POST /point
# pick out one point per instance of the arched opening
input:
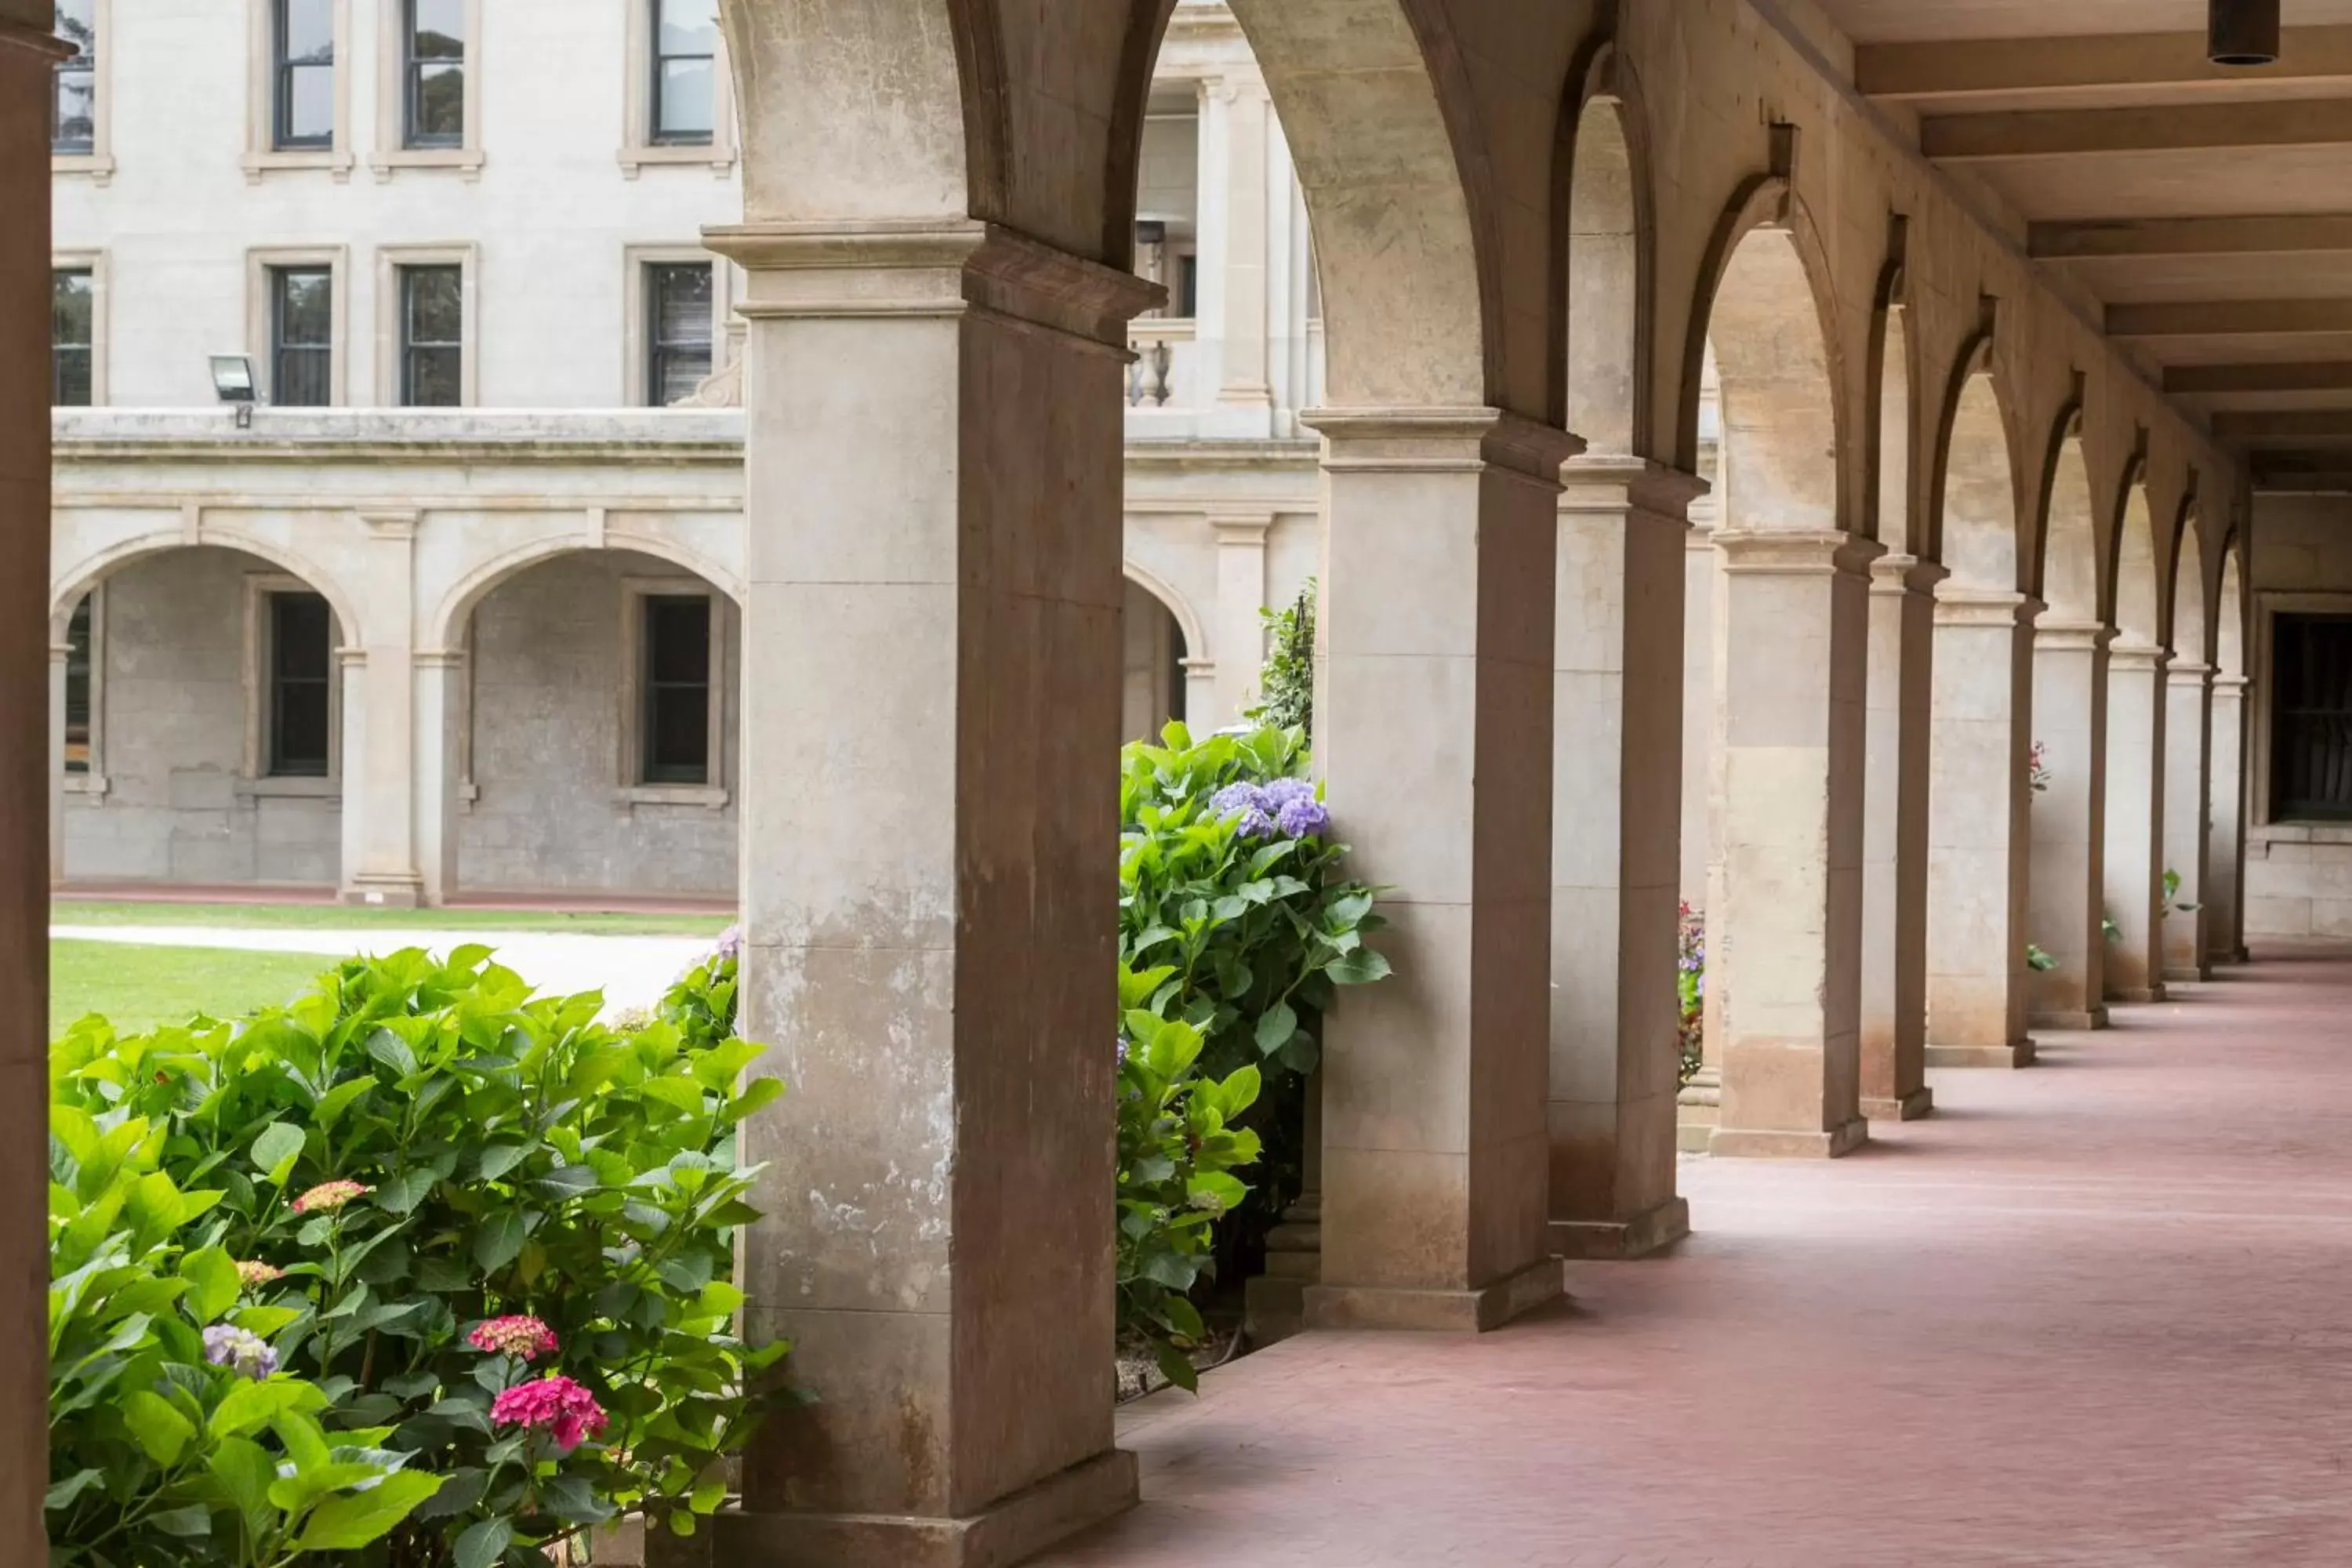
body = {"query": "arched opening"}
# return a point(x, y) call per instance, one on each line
point(1606, 296)
point(198, 733)
point(1981, 737)
point(1153, 679)
point(2226, 861)
point(596, 731)
point(1786, 624)
point(2188, 758)
point(2133, 860)
point(2068, 766)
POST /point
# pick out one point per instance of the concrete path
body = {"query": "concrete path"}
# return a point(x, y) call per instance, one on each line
point(631, 971)
point(2096, 1313)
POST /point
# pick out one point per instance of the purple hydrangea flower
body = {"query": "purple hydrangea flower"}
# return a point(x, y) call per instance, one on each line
point(1235, 798)
point(1303, 816)
point(730, 945)
point(1256, 824)
point(247, 1354)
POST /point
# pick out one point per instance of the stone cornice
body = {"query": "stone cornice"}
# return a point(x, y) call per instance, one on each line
point(1597, 481)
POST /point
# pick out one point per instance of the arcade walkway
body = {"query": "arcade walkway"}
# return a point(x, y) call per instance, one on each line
point(2096, 1314)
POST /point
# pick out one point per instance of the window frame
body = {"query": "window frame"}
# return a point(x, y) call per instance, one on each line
point(2273, 807)
point(90, 779)
point(281, 347)
point(639, 146)
point(391, 360)
point(255, 777)
point(636, 334)
point(650, 376)
point(94, 263)
point(393, 151)
point(96, 161)
point(263, 154)
point(261, 317)
point(636, 789)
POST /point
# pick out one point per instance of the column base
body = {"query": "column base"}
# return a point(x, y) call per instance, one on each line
point(1437, 1311)
point(2020, 1055)
point(2182, 977)
point(2132, 996)
point(1915, 1106)
point(1013, 1530)
point(1746, 1143)
point(2095, 1018)
point(1274, 1304)
point(1699, 1110)
point(384, 892)
point(1620, 1240)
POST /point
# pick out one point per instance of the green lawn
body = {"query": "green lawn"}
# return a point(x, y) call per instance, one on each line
point(337, 917)
point(140, 987)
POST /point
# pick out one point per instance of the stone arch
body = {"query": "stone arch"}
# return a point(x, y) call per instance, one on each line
point(2134, 593)
point(1972, 503)
point(1188, 621)
point(2191, 626)
point(1156, 682)
point(1766, 311)
point(2229, 611)
point(1890, 436)
point(78, 577)
point(446, 625)
point(1602, 265)
point(2068, 556)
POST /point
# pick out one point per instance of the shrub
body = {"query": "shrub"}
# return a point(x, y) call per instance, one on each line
point(173, 1436)
point(1286, 679)
point(1690, 992)
point(418, 1149)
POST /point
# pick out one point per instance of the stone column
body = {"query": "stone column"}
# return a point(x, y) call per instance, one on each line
point(1616, 830)
point(380, 768)
point(2069, 823)
point(2225, 865)
point(931, 704)
point(1241, 601)
point(26, 52)
point(1784, 930)
point(1977, 855)
point(1236, 124)
point(2188, 821)
point(1434, 731)
point(59, 653)
point(2135, 855)
point(440, 748)
point(1895, 839)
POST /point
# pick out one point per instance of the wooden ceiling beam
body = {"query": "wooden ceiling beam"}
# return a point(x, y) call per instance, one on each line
point(2171, 128)
point(2330, 424)
point(2230, 318)
point(2104, 238)
point(1960, 68)
point(2288, 375)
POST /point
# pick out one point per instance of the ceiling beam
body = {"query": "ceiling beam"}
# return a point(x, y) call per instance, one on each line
point(2316, 481)
point(2292, 375)
point(2285, 425)
point(2230, 318)
point(1959, 68)
point(2101, 238)
point(2173, 127)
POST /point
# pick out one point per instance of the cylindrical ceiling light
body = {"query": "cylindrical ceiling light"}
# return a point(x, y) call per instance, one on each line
point(2243, 32)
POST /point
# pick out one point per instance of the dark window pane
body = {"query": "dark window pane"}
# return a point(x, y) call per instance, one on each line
point(432, 336)
point(436, 299)
point(677, 679)
point(2311, 762)
point(301, 667)
point(302, 329)
point(686, 105)
point(437, 29)
point(79, 651)
point(306, 306)
point(687, 28)
point(73, 125)
point(436, 109)
point(679, 329)
point(72, 321)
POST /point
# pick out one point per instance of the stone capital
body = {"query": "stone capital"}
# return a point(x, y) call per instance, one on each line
point(886, 268)
point(2072, 637)
point(1440, 440)
point(390, 523)
point(352, 657)
point(2136, 655)
point(1958, 604)
point(2230, 686)
point(1897, 574)
point(1242, 529)
point(1757, 551)
point(1607, 481)
point(2189, 672)
point(439, 658)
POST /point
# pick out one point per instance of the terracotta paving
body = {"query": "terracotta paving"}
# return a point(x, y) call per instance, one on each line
point(2097, 1313)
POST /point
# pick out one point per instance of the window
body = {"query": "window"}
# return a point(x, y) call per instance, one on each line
point(432, 337)
point(302, 336)
point(1188, 286)
point(673, 729)
point(2311, 718)
point(73, 105)
point(686, 73)
point(301, 666)
point(679, 318)
point(73, 335)
point(80, 644)
point(302, 57)
point(434, 76)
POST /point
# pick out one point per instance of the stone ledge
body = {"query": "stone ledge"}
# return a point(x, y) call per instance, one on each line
point(1012, 1531)
point(1751, 1143)
point(1622, 1240)
point(1435, 1311)
point(2019, 1054)
point(2095, 1018)
point(1916, 1106)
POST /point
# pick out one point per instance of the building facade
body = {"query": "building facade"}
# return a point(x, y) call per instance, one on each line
point(455, 610)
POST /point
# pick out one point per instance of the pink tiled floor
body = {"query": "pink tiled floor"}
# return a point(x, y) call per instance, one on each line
point(2094, 1313)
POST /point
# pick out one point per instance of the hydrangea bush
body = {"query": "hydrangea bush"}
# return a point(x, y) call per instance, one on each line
point(495, 1234)
point(1690, 991)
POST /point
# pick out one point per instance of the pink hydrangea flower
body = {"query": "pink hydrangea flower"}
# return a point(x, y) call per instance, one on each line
point(327, 1196)
point(518, 1336)
point(556, 1406)
point(252, 1273)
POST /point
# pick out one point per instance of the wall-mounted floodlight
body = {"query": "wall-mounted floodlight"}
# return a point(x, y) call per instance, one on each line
point(232, 384)
point(2243, 33)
